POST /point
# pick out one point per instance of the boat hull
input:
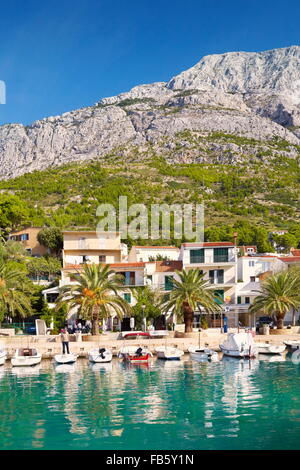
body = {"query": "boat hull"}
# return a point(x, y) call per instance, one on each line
point(96, 357)
point(236, 353)
point(25, 361)
point(167, 357)
point(136, 359)
point(65, 358)
point(261, 349)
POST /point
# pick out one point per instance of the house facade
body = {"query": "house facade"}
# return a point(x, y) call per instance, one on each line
point(28, 238)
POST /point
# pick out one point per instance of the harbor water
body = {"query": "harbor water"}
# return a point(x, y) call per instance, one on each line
point(231, 404)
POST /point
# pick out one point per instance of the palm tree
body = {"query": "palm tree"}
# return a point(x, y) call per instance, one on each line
point(95, 294)
point(148, 302)
point(279, 294)
point(13, 298)
point(188, 293)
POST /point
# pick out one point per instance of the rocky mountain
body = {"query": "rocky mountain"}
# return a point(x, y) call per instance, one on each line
point(226, 108)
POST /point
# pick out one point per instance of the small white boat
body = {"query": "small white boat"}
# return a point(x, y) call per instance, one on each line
point(100, 355)
point(239, 345)
point(65, 358)
point(26, 357)
point(292, 344)
point(3, 356)
point(169, 353)
point(202, 354)
point(267, 348)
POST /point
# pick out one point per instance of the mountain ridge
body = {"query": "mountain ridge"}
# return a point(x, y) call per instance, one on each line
point(248, 95)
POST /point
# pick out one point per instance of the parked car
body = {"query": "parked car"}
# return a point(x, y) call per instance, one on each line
point(30, 330)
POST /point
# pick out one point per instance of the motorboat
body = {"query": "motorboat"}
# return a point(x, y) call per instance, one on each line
point(26, 357)
point(292, 344)
point(158, 333)
point(169, 353)
point(203, 354)
point(100, 355)
point(134, 354)
point(65, 358)
point(268, 348)
point(239, 345)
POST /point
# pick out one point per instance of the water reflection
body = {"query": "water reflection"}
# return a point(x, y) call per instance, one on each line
point(167, 404)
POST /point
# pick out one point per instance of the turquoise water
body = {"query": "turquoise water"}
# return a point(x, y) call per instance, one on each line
point(231, 404)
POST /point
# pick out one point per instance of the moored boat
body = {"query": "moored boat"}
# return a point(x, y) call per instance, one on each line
point(239, 345)
point(135, 334)
point(100, 355)
point(65, 358)
point(267, 348)
point(134, 354)
point(292, 344)
point(202, 354)
point(26, 357)
point(169, 353)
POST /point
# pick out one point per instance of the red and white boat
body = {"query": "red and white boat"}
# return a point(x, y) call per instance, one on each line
point(135, 334)
point(135, 355)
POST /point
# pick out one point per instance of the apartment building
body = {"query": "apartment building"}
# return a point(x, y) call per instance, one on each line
point(28, 238)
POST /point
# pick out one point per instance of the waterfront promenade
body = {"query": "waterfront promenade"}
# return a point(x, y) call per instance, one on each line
point(49, 345)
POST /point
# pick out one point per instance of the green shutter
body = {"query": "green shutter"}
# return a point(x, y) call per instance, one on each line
point(197, 256)
point(239, 299)
point(168, 282)
point(220, 255)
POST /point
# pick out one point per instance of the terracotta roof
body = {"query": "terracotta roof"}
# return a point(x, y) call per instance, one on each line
point(291, 259)
point(112, 265)
point(208, 244)
point(168, 266)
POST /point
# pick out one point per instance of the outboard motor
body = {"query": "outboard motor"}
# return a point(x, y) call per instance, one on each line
point(139, 352)
point(101, 353)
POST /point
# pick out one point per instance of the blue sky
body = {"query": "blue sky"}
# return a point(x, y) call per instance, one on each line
point(56, 56)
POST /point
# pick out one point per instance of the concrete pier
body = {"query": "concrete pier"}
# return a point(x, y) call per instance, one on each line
point(48, 346)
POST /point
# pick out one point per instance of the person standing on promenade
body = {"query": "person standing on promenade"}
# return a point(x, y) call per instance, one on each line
point(64, 336)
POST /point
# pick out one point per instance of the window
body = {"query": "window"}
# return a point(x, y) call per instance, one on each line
point(149, 278)
point(216, 276)
point(127, 297)
point(220, 255)
point(239, 299)
point(24, 237)
point(247, 300)
point(251, 264)
point(252, 278)
point(197, 256)
point(129, 278)
point(102, 259)
point(168, 282)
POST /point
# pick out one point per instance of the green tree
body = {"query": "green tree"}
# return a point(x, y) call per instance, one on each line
point(95, 294)
point(13, 212)
point(52, 238)
point(43, 266)
point(189, 292)
point(279, 294)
